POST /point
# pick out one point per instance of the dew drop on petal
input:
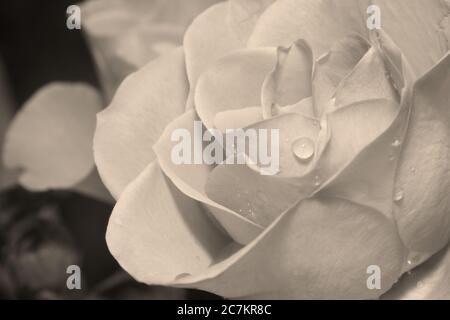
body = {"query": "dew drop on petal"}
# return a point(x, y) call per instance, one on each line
point(399, 195)
point(303, 148)
point(317, 181)
point(397, 143)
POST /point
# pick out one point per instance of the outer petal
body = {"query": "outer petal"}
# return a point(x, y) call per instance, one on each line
point(429, 281)
point(317, 250)
point(157, 233)
point(369, 179)
point(50, 139)
point(191, 180)
point(144, 104)
point(234, 82)
point(423, 176)
point(415, 25)
point(219, 30)
point(319, 22)
point(333, 67)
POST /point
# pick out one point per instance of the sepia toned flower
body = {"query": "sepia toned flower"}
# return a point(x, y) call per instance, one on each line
point(367, 186)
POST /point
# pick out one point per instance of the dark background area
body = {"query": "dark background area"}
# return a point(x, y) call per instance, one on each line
point(37, 47)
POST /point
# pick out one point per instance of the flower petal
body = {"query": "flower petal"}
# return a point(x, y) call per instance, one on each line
point(423, 176)
point(191, 180)
point(356, 119)
point(291, 127)
point(234, 82)
point(50, 139)
point(290, 80)
point(369, 80)
point(429, 281)
point(319, 250)
point(237, 118)
point(219, 30)
point(333, 67)
point(157, 233)
point(244, 14)
point(369, 179)
point(420, 26)
point(257, 197)
point(145, 103)
point(319, 22)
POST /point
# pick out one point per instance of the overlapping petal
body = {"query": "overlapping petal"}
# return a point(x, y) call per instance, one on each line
point(423, 214)
point(158, 234)
point(319, 22)
point(233, 82)
point(144, 104)
point(419, 26)
point(290, 80)
point(191, 180)
point(219, 30)
point(369, 179)
point(333, 67)
point(256, 197)
point(429, 281)
point(340, 230)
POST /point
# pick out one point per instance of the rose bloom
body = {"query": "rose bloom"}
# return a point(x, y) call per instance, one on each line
point(373, 192)
point(370, 189)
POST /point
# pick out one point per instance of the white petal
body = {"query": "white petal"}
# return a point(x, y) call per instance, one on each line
point(50, 139)
point(233, 82)
point(423, 214)
point(191, 180)
point(144, 104)
point(157, 233)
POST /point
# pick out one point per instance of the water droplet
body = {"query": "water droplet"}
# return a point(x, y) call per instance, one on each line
point(397, 143)
point(392, 158)
point(413, 169)
point(414, 259)
point(303, 148)
point(420, 284)
point(317, 181)
point(399, 195)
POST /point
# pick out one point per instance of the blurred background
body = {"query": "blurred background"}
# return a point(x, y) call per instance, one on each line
point(43, 233)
